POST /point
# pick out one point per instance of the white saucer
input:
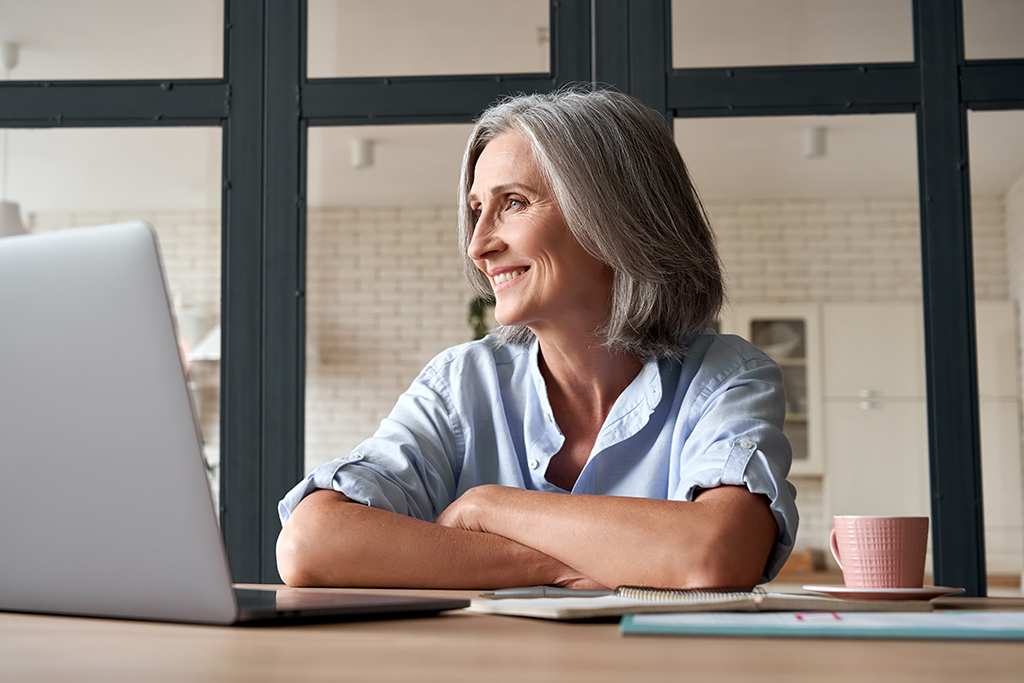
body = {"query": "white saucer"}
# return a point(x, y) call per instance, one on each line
point(925, 593)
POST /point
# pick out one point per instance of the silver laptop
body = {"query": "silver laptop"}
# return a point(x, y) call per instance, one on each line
point(105, 508)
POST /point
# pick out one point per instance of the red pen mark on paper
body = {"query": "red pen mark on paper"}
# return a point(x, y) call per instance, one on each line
point(817, 617)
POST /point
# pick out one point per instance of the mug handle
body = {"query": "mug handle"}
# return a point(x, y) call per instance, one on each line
point(834, 545)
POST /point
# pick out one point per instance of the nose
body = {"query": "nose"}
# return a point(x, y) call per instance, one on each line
point(485, 240)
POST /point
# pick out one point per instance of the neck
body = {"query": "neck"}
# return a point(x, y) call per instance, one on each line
point(584, 376)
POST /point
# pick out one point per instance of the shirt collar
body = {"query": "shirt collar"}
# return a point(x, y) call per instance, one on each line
point(634, 405)
point(631, 409)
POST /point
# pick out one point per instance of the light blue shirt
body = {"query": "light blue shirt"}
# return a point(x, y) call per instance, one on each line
point(479, 414)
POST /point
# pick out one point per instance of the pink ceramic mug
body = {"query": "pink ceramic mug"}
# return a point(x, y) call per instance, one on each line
point(880, 552)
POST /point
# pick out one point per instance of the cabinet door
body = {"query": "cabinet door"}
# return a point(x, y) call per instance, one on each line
point(873, 350)
point(877, 459)
point(1001, 485)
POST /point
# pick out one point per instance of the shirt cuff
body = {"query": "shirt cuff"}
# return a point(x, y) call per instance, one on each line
point(320, 478)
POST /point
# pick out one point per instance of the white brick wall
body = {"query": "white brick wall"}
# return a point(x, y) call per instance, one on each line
point(792, 251)
point(991, 266)
point(385, 291)
point(384, 295)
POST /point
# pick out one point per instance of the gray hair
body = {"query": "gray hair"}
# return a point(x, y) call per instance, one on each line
point(627, 198)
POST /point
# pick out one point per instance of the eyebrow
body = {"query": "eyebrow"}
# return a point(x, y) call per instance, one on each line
point(503, 188)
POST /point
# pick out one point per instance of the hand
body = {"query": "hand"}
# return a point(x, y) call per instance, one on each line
point(573, 579)
point(470, 509)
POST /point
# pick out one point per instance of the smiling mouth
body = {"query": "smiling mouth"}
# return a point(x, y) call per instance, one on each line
point(502, 278)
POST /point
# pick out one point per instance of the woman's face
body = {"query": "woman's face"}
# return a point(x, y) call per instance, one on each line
point(541, 276)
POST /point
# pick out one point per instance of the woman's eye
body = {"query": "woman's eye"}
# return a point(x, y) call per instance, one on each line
point(514, 203)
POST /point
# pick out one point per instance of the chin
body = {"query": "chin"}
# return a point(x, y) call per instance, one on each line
point(502, 319)
point(512, 314)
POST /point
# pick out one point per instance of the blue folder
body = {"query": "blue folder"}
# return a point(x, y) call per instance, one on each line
point(952, 625)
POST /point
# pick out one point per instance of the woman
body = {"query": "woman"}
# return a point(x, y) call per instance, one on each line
point(577, 213)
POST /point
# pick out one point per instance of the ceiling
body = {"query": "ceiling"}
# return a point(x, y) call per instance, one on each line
point(168, 168)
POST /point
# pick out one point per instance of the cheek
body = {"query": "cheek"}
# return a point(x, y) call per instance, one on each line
point(585, 264)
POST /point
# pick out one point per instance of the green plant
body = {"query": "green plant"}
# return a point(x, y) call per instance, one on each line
point(478, 315)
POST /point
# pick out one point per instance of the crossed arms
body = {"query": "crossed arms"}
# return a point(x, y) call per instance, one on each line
point(498, 536)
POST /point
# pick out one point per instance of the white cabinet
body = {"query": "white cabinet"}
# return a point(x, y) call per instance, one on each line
point(998, 372)
point(1001, 485)
point(876, 425)
point(857, 410)
point(877, 459)
point(1000, 408)
point(876, 420)
point(873, 351)
point(790, 335)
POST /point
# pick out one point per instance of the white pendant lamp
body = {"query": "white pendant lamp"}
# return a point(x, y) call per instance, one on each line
point(10, 219)
point(815, 142)
point(362, 153)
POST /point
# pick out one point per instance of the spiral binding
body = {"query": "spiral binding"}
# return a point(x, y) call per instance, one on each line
point(689, 594)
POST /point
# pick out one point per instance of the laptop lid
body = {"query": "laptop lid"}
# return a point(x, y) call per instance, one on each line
point(102, 484)
point(104, 501)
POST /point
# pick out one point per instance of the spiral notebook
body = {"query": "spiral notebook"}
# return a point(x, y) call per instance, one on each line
point(636, 600)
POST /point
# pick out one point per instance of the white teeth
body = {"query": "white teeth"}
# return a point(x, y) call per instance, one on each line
point(505, 277)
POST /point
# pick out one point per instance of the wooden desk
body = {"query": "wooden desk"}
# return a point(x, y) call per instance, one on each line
point(464, 647)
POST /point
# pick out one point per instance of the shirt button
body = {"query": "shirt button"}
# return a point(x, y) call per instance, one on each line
point(354, 456)
point(549, 417)
point(746, 445)
point(534, 464)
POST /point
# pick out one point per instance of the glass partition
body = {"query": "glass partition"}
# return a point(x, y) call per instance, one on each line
point(169, 177)
point(113, 39)
point(818, 227)
point(770, 32)
point(993, 29)
point(385, 291)
point(350, 38)
point(997, 221)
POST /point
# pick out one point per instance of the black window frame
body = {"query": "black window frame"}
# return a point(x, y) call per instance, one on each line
point(939, 87)
point(265, 105)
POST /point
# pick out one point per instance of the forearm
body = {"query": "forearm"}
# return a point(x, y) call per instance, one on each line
point(330, 541)
point(723, 538)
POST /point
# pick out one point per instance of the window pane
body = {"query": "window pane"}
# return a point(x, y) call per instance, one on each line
point(385, 291)
point(997, 208)
point(428, 37)
point(993, 29)
point(170, 177)
point(818, 227)
point(767, 32)
point(107, 39)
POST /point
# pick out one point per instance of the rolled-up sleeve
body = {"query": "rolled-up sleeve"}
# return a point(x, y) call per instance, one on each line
point(737, 440)
point(409, 466)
